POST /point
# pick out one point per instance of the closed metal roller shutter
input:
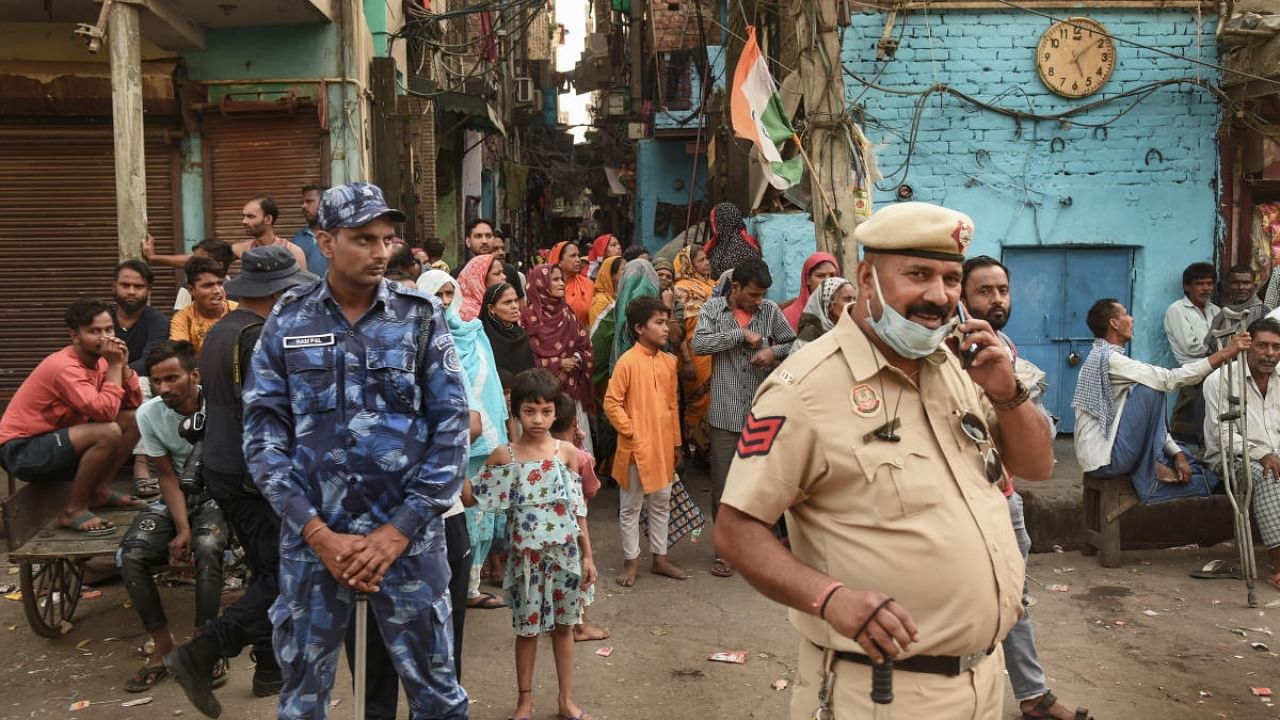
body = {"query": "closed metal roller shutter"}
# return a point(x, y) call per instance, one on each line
point(58, 233)
point(252, 156)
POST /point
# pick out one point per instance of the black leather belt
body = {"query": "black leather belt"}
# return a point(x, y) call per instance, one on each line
point(949, 665)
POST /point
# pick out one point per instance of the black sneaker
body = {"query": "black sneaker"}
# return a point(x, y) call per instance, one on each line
point(192, 665)
point(267, 679)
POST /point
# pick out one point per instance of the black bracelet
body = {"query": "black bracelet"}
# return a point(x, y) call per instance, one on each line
point(822, 611)
point(871, 617)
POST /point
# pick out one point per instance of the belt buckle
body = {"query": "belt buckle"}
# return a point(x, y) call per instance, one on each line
point(968, 662)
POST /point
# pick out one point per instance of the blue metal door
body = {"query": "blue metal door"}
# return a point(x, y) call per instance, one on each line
point(1053, 289)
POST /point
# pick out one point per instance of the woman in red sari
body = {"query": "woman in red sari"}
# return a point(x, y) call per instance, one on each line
point(577, 287)
point(817, 268)
point(559, 342)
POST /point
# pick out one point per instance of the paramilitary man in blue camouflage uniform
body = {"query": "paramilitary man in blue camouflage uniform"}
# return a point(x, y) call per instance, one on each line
point(355, 430)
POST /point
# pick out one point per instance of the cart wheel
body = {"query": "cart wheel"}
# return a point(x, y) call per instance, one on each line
point(50, 593)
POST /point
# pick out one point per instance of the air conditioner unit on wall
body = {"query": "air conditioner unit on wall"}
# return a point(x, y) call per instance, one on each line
point(525, 92)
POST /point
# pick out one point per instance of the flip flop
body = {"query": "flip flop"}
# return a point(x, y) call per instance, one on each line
point(146, 487)
point(119, 501)
point(106, 527)
point(487, 601)
point(582, 715)
point(146, 678)
point(1217, 570)
point(721, 568)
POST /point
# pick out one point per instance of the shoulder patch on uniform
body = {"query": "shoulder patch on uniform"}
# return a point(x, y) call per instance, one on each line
point(758, 435)
point(451, 360)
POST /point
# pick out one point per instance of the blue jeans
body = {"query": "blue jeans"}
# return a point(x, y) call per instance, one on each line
point(1139, 445)
point(1020, 656)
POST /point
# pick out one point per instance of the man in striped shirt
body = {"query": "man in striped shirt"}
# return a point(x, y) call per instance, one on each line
point(746, 337)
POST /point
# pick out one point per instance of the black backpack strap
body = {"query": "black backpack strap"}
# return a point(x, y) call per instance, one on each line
point(241, 355)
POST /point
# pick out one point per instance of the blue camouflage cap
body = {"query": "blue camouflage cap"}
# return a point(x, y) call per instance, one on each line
point(353, 205)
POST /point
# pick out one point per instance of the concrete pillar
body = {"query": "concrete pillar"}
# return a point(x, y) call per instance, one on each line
point(124, 42)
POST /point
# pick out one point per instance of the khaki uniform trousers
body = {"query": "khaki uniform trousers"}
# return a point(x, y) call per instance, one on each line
point(977, 694)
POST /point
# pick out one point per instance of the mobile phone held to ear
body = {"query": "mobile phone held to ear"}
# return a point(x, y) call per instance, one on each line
point(966, 356)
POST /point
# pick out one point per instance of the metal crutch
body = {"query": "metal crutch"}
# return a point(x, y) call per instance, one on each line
point(362, 640)
point(1233, 421)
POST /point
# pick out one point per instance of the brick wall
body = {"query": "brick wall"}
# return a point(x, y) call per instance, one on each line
point(1148, 181)
point(675, 23)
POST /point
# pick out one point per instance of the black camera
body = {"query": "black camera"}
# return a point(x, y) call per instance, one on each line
point(192, 430)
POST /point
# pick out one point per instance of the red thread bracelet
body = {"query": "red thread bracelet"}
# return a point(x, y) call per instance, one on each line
point(820, 603)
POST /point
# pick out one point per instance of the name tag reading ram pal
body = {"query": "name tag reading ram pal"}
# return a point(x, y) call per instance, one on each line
point(306, 341)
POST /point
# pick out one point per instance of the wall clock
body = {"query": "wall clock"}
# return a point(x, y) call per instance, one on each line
point(1075, 57)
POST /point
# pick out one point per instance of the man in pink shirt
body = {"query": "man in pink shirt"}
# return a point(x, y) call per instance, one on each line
point(73, 418)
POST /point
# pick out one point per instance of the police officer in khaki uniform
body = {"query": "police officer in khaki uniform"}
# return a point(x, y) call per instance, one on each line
point(886, 455)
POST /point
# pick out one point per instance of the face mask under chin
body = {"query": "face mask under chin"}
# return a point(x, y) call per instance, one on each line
point(909, 339)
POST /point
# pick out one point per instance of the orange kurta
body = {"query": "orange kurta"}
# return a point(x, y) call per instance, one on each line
point(642, 405)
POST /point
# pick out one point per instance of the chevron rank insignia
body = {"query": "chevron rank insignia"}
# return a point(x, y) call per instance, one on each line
point(758, 435)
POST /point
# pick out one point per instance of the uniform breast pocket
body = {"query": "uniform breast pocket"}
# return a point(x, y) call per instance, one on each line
point(313, 379)
point(903, 481)
point(393, 383)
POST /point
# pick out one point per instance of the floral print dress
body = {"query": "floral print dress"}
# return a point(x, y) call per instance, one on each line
point(541, 501)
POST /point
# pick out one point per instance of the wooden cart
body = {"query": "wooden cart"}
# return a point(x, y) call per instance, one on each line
point(52, 559)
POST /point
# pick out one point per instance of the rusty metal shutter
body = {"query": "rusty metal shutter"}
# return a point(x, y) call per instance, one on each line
point(252, 156)
point(58, 233)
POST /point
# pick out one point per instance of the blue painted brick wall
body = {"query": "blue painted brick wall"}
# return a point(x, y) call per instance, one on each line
point(1012, 181)
point(663, 172)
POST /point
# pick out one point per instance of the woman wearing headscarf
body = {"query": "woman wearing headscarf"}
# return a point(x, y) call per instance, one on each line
point(515, 278)
point(500, 313)
point(605, 247)
point(693, 288)
point(822, 310)
point(638, 279)
point(730, 242)
point(816, 269)
point(666, 271)
point(485, 398)
point(481, 272)
point(577, 287)
point(559, 342)
point(606, 287)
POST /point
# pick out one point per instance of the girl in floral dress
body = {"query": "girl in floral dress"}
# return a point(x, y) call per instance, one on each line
point(531, 482)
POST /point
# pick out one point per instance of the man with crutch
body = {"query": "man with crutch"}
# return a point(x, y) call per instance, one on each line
point(355, 427)
point(1242, 418)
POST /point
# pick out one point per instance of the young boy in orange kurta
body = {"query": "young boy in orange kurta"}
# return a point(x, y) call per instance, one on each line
point(642, 404)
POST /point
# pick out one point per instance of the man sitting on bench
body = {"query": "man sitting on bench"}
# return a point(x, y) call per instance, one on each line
point(73, 419)
point(1121, 426)
point(1263, 447)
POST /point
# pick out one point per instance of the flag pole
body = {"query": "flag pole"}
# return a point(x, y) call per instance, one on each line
point(817, 182)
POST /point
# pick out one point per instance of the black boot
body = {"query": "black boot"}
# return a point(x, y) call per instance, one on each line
point(267, 679)
point(192, 666)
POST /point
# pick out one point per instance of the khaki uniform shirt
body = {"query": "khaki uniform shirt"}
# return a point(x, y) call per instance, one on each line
point(916, 519)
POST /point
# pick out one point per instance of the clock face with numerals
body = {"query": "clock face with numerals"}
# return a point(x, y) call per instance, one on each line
point(1075, 57)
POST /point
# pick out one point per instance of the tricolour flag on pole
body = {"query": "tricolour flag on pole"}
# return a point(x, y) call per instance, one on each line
point(756, 110)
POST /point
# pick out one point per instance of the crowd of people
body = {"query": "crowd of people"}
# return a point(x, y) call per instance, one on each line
point(368, 424)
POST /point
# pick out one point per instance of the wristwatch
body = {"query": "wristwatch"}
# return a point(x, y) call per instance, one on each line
point(1020, 396)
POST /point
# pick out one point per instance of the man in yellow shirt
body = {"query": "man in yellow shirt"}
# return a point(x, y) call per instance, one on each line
point(209, 302)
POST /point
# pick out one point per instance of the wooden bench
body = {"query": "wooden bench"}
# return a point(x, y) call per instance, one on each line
point(1105, 501)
